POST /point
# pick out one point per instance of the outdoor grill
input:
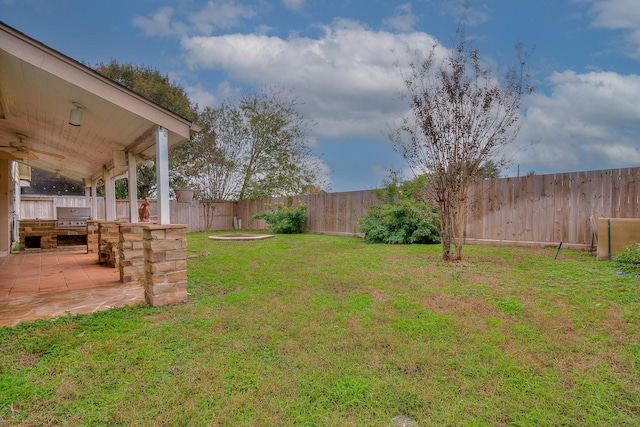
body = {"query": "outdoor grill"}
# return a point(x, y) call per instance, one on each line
point(72, 217)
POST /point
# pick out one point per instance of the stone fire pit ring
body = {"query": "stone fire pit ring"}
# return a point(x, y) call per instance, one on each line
point(242, 237)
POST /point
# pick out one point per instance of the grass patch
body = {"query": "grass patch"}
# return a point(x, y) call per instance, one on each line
point(308, 330)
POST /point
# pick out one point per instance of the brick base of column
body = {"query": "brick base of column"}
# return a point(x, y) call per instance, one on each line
point(165, 263)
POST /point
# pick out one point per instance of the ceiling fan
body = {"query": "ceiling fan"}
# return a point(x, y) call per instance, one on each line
point(21, 150)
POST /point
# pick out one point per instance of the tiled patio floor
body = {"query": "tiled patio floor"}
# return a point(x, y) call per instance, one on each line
point(43, 286)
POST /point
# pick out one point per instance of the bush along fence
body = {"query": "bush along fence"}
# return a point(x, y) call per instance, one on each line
point(537, 209)
point(283, 219)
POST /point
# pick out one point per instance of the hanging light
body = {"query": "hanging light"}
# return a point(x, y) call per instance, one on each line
point(75, 117)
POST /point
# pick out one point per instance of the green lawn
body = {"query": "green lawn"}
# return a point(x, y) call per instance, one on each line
point(309, 330)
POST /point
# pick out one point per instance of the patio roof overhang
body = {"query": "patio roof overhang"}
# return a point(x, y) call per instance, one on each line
point(38, 86)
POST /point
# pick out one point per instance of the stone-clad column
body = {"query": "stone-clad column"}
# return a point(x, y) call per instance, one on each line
point(93, 237)
point(131, 252)
point(165, 257)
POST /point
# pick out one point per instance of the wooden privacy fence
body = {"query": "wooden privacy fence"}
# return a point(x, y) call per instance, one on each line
point(537, 209)
point(330, 213)
point(552, 208)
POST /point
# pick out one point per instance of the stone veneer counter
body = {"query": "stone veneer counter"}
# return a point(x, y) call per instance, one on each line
point(42, 235)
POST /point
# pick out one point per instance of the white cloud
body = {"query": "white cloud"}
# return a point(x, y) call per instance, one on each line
point(296, 5)
point(216, 15)
point(348, 82)
point(589, 121)
point(619, 15)
point(201, 96)
point(220, 14)
point(347, 78)
point(159, 24)
point(403, 20)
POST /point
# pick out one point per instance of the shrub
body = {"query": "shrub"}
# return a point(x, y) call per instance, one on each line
point(627, 261)
point(404, 218)
point(283, 219)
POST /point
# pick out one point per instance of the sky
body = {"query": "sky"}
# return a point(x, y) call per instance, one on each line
point(342, 61)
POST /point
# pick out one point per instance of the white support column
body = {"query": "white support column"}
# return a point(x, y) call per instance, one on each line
point(109, 196)
point(162, 175)
point(88, 200)
point(133, 188)
point(94, 199)
point(16, 203)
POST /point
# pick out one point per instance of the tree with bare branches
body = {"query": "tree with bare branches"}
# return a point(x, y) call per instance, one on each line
point(461, 117)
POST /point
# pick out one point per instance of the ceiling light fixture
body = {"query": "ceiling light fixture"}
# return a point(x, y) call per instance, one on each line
point(75, 117)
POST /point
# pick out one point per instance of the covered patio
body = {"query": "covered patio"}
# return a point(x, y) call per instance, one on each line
point(60, 116)
point(46, 286)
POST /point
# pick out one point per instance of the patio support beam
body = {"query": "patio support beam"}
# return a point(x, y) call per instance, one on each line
point(88, 198)
point(162, 175)
point(133, 188)
point(109, 196)
point(16, 204)
point(94, 199)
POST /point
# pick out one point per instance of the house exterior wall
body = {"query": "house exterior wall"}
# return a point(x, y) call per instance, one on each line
point(6, 206)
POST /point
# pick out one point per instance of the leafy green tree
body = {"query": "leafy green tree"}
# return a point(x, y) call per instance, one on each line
point(211, 163)
point(461, 116)
point(151, 84)
point(277, 159)
point(156, 87)
point(488, 170)
point(255, 148)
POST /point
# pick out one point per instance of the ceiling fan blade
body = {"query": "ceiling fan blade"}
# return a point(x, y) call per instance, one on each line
point(47, 153)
